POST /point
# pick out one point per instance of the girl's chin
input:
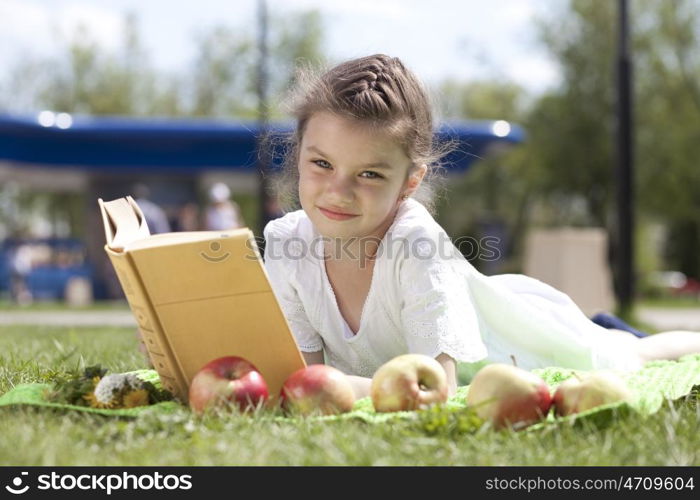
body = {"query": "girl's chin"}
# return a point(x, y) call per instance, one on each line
point(331, 230)
point(340, 225)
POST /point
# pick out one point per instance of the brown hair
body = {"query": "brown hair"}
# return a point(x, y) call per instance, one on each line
point(377, 90)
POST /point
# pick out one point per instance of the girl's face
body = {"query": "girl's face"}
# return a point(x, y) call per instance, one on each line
point(351, 178)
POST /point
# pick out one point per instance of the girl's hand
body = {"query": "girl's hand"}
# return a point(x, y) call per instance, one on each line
point(313, 358)
point(360, 385)
point(448, 363)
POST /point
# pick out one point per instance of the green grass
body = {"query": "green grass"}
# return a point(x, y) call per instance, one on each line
point(51, 305)
point(670, 302)
point(40, 436)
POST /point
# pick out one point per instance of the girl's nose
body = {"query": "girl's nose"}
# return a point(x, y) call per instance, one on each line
point(341, 187)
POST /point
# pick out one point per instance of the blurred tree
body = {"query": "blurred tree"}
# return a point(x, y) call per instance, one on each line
point(494, 195)
point(669, 107)
point(299, 39)
point(87, 78)
point(481, 100)
point(564, 173)
point(224, 80)
point(571, 130)
point(22, 84)
point(223, 69)
point(93, 80)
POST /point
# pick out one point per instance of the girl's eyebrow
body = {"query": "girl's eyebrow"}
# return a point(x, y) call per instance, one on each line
point(378, 165)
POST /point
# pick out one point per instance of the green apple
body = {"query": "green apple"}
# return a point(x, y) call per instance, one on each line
point(586, 391)
point(408, 382)
point(508, 396)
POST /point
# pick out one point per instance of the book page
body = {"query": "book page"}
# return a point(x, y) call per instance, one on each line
point(124, 222)
point(163, 239)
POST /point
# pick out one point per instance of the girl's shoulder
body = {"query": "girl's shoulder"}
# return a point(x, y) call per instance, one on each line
point(425, 248)
point(414, 224)
point(291, 225)
point(288, 240)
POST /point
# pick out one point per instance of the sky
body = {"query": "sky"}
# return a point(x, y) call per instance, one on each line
point(438, 39)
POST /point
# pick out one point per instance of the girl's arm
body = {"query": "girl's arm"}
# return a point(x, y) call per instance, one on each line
point(360, 385)
point(313, 358)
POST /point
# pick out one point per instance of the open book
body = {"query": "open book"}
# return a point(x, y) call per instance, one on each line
point(198, 296)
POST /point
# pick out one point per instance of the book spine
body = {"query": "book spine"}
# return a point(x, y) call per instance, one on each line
point(159, 350)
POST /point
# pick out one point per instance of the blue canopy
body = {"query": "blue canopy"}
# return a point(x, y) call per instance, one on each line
point(184, 145)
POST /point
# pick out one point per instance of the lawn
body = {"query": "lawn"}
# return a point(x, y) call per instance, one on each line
point(687, 302)
point(55, 305)
point(40, 436)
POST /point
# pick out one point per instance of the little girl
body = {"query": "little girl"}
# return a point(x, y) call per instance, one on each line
point(363, 273)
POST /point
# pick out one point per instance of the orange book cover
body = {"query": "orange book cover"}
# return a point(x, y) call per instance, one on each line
point(198, 296)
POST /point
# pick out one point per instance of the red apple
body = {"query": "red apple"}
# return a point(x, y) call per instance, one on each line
point(583, 392)
point(508, 396)
point(225, 381)
point(317, 389)
point(408, 382)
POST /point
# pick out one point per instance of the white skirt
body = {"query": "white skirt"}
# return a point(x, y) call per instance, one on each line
point(540, 326)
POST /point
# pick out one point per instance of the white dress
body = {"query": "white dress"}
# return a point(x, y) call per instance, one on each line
point(426, 298)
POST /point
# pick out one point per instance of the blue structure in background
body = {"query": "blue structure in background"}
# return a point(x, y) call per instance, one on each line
point(104, 143)
point(110, 149)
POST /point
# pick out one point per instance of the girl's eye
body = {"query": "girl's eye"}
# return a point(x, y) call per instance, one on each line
point(322, 166)
point(325, 165)
point(373, 175)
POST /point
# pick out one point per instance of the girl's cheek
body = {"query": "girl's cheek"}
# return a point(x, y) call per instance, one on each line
point(375, 188)
point(312, 174)
point(307, 176)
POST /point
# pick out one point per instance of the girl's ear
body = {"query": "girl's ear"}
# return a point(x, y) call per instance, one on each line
point(415, 177)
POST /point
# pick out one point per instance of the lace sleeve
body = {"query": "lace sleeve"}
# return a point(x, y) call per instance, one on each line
point(437, 313)
point(307, 338)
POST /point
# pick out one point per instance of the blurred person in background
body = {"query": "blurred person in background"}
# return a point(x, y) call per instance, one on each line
point(156, 218)
point(222, 212)
point(188, 217)
point(20, 266)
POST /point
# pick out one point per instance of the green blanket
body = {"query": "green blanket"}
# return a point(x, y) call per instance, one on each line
point(651, 386)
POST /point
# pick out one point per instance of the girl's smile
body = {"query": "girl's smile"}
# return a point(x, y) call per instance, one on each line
point(335, 215)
